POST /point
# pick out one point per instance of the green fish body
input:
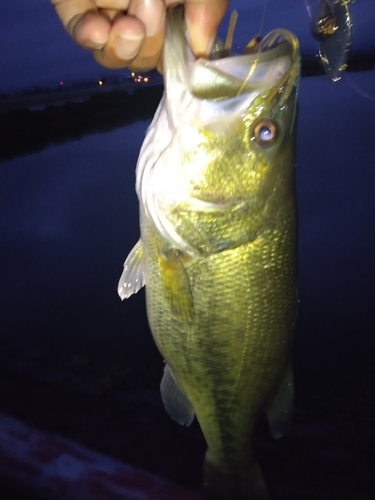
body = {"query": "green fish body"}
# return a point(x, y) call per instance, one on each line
point(216, 184)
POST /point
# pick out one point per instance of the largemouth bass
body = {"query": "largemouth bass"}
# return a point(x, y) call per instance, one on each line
point(215, 182)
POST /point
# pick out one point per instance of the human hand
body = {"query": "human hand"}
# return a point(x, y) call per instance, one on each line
point(130, 33)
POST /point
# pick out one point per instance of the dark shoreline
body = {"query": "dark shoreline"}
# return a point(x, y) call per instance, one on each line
point(36, 119)
point(26, 131)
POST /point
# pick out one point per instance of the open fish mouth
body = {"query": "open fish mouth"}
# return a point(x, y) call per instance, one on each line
point(267, 62)
point(271, 66)
point(224, 88)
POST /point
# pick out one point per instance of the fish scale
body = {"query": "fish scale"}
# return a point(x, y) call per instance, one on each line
point(218, 247)
point(227, 328)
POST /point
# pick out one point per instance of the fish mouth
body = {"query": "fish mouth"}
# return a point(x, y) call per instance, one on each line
point(276, 65)
point(273, 69)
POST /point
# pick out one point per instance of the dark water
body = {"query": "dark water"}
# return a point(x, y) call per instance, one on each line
point(69, 216)
point(69, 219)
point(335, 181)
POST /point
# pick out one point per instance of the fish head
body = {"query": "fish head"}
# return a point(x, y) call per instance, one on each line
point(223, 141)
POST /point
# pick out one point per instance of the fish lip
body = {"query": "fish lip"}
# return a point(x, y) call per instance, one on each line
point(219, 79)
point(182, 64)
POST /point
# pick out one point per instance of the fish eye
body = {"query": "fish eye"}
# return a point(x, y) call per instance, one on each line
point(265, 133)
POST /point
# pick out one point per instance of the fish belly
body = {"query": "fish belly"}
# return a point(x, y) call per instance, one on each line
point(229, 357)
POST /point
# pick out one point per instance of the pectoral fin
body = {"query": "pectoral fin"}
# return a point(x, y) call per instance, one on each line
point(280, 409)
point(133, 276)
point(176, 284)
point(175, 401)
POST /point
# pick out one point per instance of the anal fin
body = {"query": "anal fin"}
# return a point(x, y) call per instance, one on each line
point(175, 401)
point(280, 409)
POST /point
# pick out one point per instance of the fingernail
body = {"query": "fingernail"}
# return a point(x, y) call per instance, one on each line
point(94, 43)
point(127, 46)
point(151, 13)
point(198, 38)
point(200, 49)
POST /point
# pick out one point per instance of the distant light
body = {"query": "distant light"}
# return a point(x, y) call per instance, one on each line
point(145, 79)
point(61, 83)
point(100, 82)
point(133, 74)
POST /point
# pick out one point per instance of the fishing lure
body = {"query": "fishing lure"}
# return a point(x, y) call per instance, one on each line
point(331, 26)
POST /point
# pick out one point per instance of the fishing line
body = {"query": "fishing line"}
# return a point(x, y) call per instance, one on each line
point(358, 89)
point(263, 17)
point(228, 46)
point(308, 8)
point(250, 73)
point(255, 43)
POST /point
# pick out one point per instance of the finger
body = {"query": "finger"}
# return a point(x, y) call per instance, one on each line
point(67, 10)
point(152, 14)
point(135, 40)
point(126, 36)
point(91, 30)
point(149, 54)
point(113, 4)
point(203, 18)
point(83, 22)
point(94, 29)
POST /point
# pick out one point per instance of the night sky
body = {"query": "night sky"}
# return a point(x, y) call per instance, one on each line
point(36, 51)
